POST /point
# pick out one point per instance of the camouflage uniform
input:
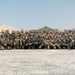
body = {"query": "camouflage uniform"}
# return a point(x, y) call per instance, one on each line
point(16, 43)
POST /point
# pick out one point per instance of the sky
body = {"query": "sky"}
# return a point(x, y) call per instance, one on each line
point(35, 14)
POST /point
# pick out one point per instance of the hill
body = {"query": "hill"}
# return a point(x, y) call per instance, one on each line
point(5, 27)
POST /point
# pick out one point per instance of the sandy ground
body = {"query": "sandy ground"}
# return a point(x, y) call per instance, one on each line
point(37, 62)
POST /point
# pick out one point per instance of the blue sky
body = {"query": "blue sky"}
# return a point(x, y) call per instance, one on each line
point(34, 14)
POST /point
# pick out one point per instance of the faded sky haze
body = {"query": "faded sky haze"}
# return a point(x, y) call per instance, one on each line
point(34, 14)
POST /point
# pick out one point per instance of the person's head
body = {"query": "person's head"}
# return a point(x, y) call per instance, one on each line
point(2, 31)
point(22, 31)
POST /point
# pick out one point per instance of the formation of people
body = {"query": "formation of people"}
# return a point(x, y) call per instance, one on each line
point(37, 39)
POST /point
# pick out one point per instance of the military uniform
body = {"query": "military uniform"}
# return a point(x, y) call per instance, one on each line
point(16, 43)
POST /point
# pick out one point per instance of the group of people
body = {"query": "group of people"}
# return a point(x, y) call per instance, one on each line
point(37, 39)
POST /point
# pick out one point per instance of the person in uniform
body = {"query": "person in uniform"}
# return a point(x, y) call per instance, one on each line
point(16, 43)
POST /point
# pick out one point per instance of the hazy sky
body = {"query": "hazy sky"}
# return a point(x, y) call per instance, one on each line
point(33, 14)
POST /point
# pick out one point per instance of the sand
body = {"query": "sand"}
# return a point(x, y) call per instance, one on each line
point(37, 62)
